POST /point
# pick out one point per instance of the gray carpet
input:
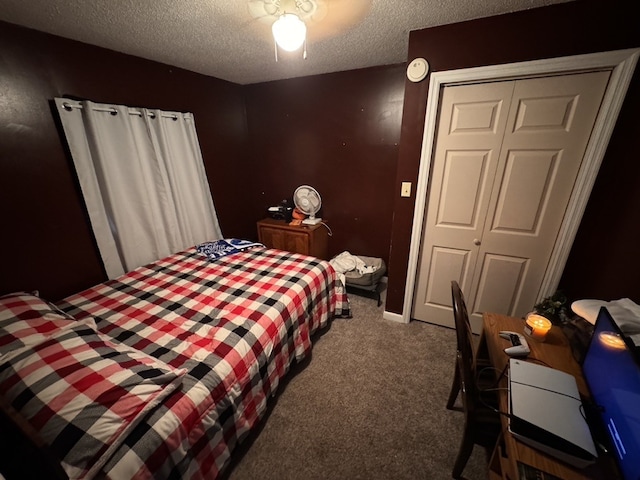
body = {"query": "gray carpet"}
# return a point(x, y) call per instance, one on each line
point(368, 404)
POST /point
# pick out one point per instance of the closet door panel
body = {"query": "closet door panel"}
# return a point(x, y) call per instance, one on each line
point(468, 141)
point(549, 125)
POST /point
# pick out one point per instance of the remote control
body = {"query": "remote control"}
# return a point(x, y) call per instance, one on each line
point(519, 346)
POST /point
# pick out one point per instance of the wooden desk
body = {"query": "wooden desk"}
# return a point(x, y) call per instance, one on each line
point(556, 353)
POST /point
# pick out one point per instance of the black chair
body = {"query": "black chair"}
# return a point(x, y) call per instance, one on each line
point(485, 379)
point(481, 420)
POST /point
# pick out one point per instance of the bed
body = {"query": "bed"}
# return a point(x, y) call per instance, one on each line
point(204, 341)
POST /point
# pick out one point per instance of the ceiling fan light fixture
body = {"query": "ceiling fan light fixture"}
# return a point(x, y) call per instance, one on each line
point(289, 32)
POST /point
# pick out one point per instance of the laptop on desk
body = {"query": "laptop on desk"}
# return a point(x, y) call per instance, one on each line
point(545, 412)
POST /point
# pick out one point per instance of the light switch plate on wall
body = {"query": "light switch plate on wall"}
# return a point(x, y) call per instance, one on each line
point(406, 189)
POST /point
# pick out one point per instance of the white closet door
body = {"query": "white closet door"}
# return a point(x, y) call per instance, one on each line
point(519, 198)
point(550, 121)
point(471, 127)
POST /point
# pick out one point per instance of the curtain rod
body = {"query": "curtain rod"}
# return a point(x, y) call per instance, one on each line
point(68, 107)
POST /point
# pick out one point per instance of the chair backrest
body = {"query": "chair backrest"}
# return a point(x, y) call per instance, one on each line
point(465, 354)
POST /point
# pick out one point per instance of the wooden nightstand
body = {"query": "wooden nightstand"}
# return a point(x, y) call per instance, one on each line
point(306, 239)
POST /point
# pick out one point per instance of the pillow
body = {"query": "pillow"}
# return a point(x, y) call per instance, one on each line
point(624, 311)
point(84, 393)
point(25, 320)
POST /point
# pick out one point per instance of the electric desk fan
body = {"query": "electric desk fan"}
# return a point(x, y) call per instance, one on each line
point(308, 201)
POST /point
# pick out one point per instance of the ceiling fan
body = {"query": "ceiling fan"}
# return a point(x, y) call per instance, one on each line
point(321, 19)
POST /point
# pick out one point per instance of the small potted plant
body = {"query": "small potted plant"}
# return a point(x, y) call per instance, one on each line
point(554, 308)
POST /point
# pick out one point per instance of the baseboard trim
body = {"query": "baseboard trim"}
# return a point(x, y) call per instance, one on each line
point(394, 317)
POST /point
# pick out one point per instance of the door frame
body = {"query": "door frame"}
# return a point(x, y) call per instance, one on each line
point(622, 63)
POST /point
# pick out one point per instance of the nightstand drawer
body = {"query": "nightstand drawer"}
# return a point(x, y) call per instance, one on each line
point(305, 239)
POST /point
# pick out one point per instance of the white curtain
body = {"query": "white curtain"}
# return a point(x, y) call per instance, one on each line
point(143, 180)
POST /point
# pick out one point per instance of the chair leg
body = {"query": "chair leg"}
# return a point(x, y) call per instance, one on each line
point(466, 447)
point(455, 388)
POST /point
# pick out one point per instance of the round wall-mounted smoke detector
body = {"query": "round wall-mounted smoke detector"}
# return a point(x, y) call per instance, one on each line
point(417, 69)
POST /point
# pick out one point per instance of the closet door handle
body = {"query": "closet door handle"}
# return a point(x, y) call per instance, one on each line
point(476, 241)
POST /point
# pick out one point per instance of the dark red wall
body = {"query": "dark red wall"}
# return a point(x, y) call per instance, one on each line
point(46, 242)
point(353, 135)
point(603, 262)
point(338, 133)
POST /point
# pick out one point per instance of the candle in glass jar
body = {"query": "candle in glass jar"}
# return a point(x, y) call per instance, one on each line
point(537, 326)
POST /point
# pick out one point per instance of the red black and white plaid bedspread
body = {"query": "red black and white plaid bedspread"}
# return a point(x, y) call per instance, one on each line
point(236, 324)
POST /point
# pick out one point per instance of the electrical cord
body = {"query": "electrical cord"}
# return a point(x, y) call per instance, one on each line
point(495, 369)
point(494, 388)
point(328, 228)
point(491, 407)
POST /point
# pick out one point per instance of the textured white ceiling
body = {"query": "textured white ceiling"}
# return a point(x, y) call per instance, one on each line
point(231, 39)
